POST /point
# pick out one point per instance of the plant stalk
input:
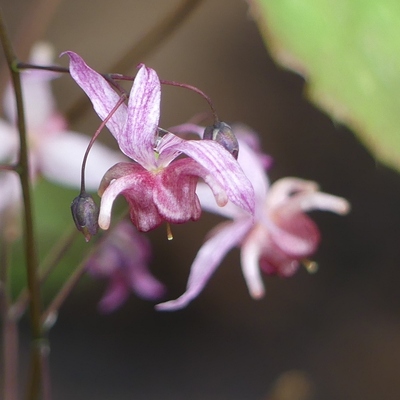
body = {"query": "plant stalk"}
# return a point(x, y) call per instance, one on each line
point(28, 226)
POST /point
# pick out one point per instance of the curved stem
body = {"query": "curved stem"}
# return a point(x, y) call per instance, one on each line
point(46, 267)
point(196, 90)
point(143, 48)
point(29, 234)
point(93, 139)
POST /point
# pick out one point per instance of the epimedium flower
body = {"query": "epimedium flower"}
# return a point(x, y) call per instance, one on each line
point(279, 238)
point(123, 258)
point(54, 151)
point(157, 186)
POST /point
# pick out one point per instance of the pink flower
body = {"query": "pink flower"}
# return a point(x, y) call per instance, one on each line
point(158, 186)
point(55, 151)
point(278, 239)
point(122, 258)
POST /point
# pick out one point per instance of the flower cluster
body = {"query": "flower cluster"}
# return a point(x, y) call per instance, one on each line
point(275, 241)
point(157, 184)
point(172, 179)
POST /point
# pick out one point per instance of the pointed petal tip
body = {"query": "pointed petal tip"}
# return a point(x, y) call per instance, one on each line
point(172, 305)
point(343, 206)
point(257, 294)
point(69, 53)
point(104, 222)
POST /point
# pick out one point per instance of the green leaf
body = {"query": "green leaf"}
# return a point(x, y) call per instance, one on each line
point(53, 220)
point(349, 53)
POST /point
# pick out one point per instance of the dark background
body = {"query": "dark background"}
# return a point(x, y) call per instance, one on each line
point(340, 326)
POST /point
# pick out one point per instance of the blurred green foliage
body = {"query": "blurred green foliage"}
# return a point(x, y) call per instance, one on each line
point(53, 222)
point(348, 52)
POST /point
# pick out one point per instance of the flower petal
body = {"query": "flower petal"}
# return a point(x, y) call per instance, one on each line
point(188, 128)
point(222, 239)
point(252, 140)
point(10, 193)
point(99, 91)
point(294, 233)
point(254, 169)
point(251, 250)
point(324, 202)
point(9, 143)
point(136, 184)
point(175, 191)
point(61, 156)
point(207, 201)
point(39, 103)
point(116, 294)
point(223, 168)
point(139, 135)
point(285, 190)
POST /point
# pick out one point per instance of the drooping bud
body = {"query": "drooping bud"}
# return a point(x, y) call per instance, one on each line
point(85, 213)
point(222, 133)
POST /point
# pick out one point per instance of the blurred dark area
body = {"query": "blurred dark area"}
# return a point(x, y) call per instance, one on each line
point(340, 326)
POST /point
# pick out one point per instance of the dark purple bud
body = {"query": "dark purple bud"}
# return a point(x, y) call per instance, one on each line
point(85, 213)
point(222, 134)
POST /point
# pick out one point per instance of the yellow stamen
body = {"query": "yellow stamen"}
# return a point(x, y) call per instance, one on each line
point(169, 232)
point(311, 266)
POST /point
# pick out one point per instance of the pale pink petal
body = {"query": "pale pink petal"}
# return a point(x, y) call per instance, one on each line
point(292, 230)
point(9, 143)
point(251, 250)
point(144, 284)
point(166, 149)
point(210, 255)
point(39, 103)
point(139, 136)
point(223, 168)
point(10, 193)
point(324, 202)
point(185, 129)
point(99, 91)
point(137, 188)
point(285, 189)
point(246, 135)
point(254, 170)
point(294, 233)
point(208, 203)
point(61, 157)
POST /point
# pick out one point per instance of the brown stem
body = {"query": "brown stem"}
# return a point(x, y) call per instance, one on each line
point(9, 327)
point(62, 295)
point(29, 234)
point(46, 267)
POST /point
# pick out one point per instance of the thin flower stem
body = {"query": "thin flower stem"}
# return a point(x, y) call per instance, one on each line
point(95, 136)
point(146, 45)
point(29, 234)
point(196, 90)
point(53, 68)
point(50, 313)
point(9, 327)
point(10, 354)
point(46, 267)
